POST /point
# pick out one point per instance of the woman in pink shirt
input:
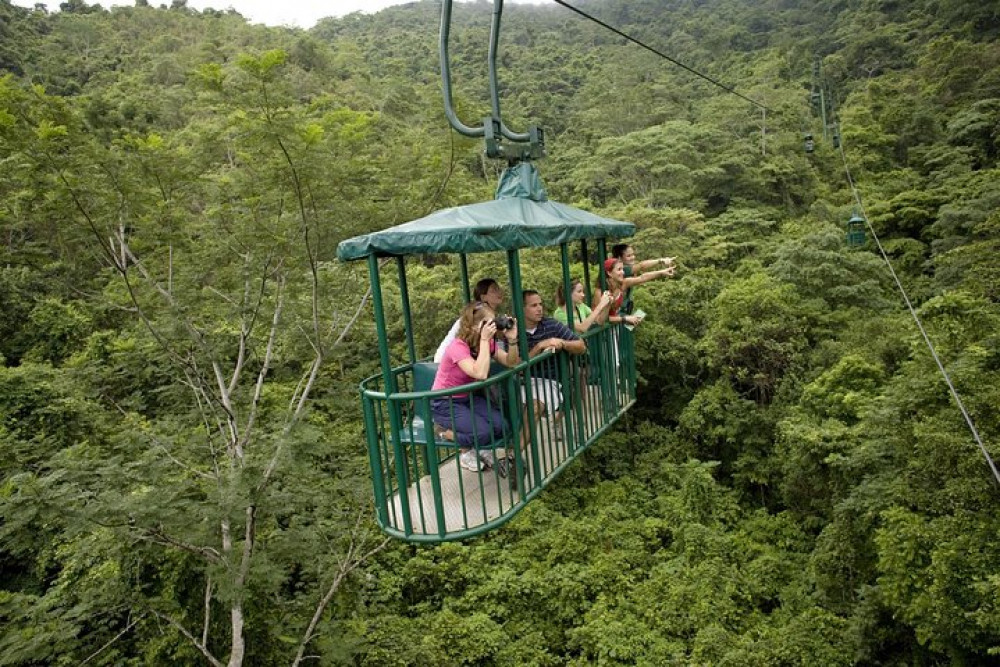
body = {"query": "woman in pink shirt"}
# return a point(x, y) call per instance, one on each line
point(474, 420)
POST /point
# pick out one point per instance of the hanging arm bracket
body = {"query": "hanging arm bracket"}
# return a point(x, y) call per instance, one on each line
point(528, 145)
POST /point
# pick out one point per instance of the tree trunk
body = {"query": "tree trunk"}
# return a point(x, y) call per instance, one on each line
point(238, 642)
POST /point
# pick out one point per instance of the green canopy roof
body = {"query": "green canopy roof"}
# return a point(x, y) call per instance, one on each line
point(521, 217)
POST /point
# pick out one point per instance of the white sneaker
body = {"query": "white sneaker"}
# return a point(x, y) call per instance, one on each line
point(469, 459)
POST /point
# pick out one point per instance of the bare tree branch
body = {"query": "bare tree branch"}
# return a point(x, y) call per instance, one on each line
point(196, 336)
point(208, 610)
point(266, 366)
point(306, 391)
point(208, 432)
point(112, 641)
point(354, 318)
point(159, 536)
point(191, 638)
point(249, 541)
point(432, 205)
point(246, 328)
point(231, 423)
point(348, 564)
point(222, 295)
point(300, 399)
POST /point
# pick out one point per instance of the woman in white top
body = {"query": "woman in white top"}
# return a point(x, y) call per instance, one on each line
point(486, 291)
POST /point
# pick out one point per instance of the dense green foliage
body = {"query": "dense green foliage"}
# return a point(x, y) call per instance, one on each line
point(184, 479)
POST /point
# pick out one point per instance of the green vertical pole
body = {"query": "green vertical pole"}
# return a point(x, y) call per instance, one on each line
point(514, 273)
point(511, 394)
point(463, 264)
point(375, 458)
point(434, 469)
point(570, 310)
point(607, 336)
point(404, 296)
point(588, 368)
point(389, 382)
point(602, 252)
point(594, 354)
point(569, 389)
point(388, 379)
point(419, 455)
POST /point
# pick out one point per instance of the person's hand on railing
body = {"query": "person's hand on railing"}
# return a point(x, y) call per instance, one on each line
point(554, 344)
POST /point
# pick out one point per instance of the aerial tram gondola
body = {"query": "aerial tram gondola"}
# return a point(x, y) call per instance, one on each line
point(422, 493)
point(856, 230)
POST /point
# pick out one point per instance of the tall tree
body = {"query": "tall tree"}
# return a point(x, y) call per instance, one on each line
point(215, 246)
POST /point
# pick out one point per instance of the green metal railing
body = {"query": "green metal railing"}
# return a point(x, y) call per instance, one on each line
point(423, 494)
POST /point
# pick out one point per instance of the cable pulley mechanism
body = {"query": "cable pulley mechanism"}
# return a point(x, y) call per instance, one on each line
point(524, 146)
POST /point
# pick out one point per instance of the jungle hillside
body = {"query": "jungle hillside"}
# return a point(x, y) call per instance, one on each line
point(183, 472)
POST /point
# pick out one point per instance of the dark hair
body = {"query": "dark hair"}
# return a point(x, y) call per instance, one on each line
point(560, 297)
point(526, 293)
point(482, 287)
point(618, 250)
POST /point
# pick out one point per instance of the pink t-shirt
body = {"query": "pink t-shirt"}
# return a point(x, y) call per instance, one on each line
point(449, 374)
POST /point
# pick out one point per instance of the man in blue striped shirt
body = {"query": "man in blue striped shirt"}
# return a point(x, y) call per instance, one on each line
point(547, 335)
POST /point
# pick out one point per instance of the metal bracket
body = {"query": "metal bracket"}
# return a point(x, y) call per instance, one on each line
point(513, 151)
point(522, 145)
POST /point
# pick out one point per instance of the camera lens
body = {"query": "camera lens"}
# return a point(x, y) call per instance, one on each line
point(504, 322)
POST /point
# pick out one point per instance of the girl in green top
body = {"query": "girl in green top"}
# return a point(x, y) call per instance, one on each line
point(583, 316)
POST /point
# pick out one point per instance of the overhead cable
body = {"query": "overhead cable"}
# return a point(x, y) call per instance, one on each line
point(660, 53)
point(916, 318)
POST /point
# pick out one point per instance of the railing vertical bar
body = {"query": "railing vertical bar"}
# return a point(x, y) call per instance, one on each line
point(568, 379)
point(463, 268)
point(395, 422)
point(476, 438)
point(374, 434)
point(404, 297)
point(413, 461)
point(513, 408)
point(458, 464)
point(517, 299)
point(433, 466)
point(385, 440)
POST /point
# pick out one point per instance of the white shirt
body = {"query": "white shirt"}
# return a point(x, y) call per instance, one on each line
point(450, 336)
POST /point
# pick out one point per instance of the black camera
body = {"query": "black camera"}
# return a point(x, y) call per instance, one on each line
point(503, 322)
